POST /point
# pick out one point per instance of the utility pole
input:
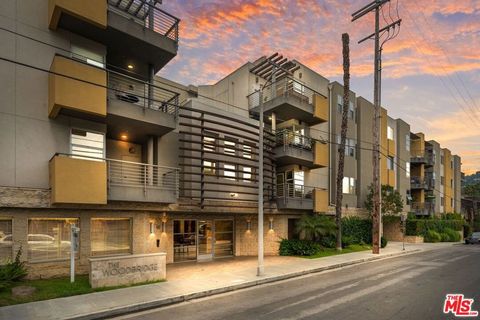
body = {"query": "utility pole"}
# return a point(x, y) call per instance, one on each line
point(376, 6)
point(343, 137)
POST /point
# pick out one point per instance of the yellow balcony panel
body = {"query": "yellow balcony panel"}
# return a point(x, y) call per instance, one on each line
point(391, 147)
point(320, 107)
point(320, 156)
point(91, 11)
point(78, 180)
point(87, 95)
point(320, 200)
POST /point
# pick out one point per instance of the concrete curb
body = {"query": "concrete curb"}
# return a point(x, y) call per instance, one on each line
point(201, 294)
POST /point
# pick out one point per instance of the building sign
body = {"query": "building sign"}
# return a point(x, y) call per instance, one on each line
point(128, 269)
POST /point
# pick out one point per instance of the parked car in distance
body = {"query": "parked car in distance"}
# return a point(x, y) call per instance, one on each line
point(474, 238)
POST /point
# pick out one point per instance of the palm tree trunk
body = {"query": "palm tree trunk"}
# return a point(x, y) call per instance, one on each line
point(343, 134)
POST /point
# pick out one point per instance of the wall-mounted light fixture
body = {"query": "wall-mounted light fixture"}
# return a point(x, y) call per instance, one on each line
point(152, 228)
point(270, 224)
point(249, 225)
point(164, 223)
point(233, 195)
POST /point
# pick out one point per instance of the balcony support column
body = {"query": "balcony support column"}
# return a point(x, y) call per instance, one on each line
point(151, 77)
point(150, 159)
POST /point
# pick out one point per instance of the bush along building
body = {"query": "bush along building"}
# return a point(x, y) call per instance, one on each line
point(142, 164)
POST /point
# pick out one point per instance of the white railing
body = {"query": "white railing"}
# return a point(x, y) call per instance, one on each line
point(294, 191)
point(142, 175)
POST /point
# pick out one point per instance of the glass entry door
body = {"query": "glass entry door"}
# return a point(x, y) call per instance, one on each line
point(205, 240)
point(223, 238)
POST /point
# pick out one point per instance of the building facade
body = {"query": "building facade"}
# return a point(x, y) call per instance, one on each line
point(141, 164)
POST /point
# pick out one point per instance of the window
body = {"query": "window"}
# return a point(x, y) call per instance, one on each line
point(441, 159)
point(390, 133)
point(209, 167)
point(87, 144)
point(349, 146)
point(209, 143)
point(88, 56)
point(247, 174)
point(442, 180)
point(451, 164)
point(110, 236)
point(229, 147)
point(407, 169)
point(351, 110)
point(5, 241)
point(407, 142)
point(451, 183)
point(451, 202)
point(49, 239)
point(340, 103)
point(442, 201)
point(298, 87)
point(229, 171)
point(247, 151)
point(390, 163)
point(348, 185)
point(184, 240)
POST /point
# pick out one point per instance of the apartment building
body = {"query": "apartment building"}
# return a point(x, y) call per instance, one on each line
point(92, 138)
point(87, 134)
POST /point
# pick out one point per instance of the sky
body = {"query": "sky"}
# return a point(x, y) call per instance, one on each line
point(431, 70)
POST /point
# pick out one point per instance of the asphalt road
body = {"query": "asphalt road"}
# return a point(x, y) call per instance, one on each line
point(409, 287)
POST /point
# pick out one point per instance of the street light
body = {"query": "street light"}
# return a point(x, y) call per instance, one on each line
point(403, 219)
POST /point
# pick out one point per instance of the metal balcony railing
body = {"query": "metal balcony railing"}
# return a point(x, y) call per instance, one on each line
point(142, 175)
point(284, 87)
point(422, 208)
point(147, 14)
point(294, 191)
point(288, 138)
point(142, 94)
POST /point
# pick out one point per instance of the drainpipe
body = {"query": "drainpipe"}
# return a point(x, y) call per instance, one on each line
point(150, 152)
point(151, 76)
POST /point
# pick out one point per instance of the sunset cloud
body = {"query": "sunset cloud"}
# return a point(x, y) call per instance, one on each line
point(437, 50)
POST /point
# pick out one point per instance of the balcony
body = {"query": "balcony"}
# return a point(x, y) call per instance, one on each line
point(77, 89)
point(292, 148)
point(133, 181)
point(418, 182)
point(136, 31)
point(320, 155)
point(294, 196)
point(423, 208)
point(86, 180)
point(290, 99)
point(139, 108)
point(418, 159)
point(77, 180)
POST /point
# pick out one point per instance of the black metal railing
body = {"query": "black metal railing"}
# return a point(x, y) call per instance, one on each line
point(288, 138)
point(141, 93)
point(422, 208)
point(147, 14)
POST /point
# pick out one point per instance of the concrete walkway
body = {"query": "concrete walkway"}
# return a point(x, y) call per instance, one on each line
point(194, 280)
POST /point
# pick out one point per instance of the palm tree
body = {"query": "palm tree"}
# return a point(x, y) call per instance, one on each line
point(315, 227)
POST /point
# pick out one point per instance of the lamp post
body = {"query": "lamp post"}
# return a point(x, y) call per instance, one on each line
point(403, 219)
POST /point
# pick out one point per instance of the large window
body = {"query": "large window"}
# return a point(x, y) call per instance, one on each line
point(110, 236)
point(5, 241)
point(351, 111)
point(247, 174)
point(407, 169)
point(209, 168)
point(247, 151)
point(209, 143)
point(49, 239)
point(407, 142)
point(229, 171)
point(339, 103)
point(390, 133)
point(87, 144)
point(390, 163)
point(348, 185)
point(349, 146)
point(229, 147)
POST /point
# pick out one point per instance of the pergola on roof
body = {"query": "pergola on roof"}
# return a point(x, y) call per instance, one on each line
point(265, 66)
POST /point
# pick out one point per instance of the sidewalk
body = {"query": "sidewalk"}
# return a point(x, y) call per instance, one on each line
point(194, 280)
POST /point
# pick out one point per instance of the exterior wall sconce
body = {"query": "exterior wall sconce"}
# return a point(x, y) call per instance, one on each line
point(152, 228)
point(270, 224)
point(164, 223)
point(233, 195)
point(249, 225)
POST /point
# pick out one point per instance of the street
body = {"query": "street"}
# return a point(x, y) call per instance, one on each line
point(409, 287)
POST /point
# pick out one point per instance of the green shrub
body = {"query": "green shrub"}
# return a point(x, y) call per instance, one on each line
point(444, 237)
point(348, 240)
point(329, 241)
point(432, 236)
point(12, 271)
point(452, 235)
point(315, 227)
point(384, 242)
point(295, 247)
point(359, 230)
point(419, 227)
point(452, 216)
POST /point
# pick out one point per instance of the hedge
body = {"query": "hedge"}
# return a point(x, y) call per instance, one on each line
point(294, 247)
point(419, 227)
point(357, 230)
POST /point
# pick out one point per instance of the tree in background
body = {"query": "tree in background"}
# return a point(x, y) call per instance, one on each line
point(473, 190)
point(392, 202)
